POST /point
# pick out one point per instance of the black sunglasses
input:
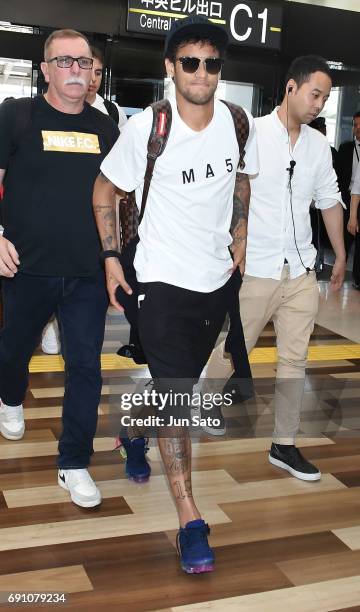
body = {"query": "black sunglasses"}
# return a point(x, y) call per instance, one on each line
point(190, 65)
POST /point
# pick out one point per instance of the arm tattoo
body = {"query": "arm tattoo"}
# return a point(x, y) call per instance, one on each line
point(241, 209)
point(106, 218)
point(177, 455)
point(104, 206)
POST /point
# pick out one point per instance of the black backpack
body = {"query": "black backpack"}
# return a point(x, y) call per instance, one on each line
point(23, 113)
point(112, 110)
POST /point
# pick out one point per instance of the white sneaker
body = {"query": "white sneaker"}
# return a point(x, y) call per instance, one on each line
point(83, 490)
point(12, 425)
point(50, 343)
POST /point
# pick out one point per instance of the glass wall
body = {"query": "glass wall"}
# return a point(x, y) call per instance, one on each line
point(16, 78)
point(343, 103)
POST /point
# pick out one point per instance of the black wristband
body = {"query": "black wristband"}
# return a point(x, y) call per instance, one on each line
point(105, 254)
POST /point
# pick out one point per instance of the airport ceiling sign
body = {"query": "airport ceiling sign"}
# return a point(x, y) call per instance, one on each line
point(251, 24)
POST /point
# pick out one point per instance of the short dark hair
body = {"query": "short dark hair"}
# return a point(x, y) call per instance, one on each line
point(173, 48)
point(356, 115)
point(97, 54)
point(303, 67)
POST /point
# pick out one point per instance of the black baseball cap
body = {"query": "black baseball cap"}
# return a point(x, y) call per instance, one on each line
point(195, 26)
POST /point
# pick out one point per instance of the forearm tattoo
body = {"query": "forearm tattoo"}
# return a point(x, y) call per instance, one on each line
point(104, 204)
point(241, 209)
point(106, 221)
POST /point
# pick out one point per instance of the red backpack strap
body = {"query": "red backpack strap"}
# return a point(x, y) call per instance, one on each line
point(241, 123)
point(162, 118)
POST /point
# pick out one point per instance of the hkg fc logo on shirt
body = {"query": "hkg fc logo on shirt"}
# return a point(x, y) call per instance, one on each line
point(70, 142)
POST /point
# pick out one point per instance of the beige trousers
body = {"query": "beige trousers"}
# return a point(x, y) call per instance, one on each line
point(292, 305)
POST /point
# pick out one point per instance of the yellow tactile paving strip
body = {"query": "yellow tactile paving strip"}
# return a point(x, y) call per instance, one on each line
point(325, 352)
point(109, 361)
point(55, 363)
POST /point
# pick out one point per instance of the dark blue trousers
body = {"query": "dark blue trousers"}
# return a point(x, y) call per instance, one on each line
point(80, 305)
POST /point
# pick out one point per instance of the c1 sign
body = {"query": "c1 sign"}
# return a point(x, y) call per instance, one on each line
point(252, 24)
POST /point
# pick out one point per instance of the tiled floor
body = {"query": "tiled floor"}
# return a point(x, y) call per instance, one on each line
point(279, 542)
point(340, 312)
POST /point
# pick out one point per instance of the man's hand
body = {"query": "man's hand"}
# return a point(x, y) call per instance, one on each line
point(9, 258)
point(114, 278)
point(353, 226)
point(338, 274)
point(239, 254)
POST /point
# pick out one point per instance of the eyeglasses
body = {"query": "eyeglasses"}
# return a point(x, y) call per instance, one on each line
point(190, 65)
point(66, 61)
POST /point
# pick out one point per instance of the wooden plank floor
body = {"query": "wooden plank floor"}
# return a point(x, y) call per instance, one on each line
point(279, 542)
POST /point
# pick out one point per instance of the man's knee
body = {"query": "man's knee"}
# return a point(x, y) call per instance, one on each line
point(291, 366)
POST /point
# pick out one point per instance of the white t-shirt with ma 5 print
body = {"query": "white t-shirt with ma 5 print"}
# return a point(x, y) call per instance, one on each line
point(184, 234)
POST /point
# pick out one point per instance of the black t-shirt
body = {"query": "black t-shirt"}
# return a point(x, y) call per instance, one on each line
point(50, 174)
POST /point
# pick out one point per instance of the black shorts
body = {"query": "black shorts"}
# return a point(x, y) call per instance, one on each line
point(178, 328)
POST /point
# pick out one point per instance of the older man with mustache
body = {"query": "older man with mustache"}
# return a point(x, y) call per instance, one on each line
point(50, 154)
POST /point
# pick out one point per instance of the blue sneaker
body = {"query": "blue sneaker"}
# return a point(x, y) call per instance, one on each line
point(195, 554)
point(136, 467)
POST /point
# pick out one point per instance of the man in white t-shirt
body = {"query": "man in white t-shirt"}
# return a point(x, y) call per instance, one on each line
point(183, 263)
point(280, 280)
point(105, 106)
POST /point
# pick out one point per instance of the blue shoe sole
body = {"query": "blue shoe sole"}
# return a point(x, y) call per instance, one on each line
point(140, 478)
point(198, 569)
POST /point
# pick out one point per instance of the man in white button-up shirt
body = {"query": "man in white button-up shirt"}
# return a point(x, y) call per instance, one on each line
point(280, 281)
